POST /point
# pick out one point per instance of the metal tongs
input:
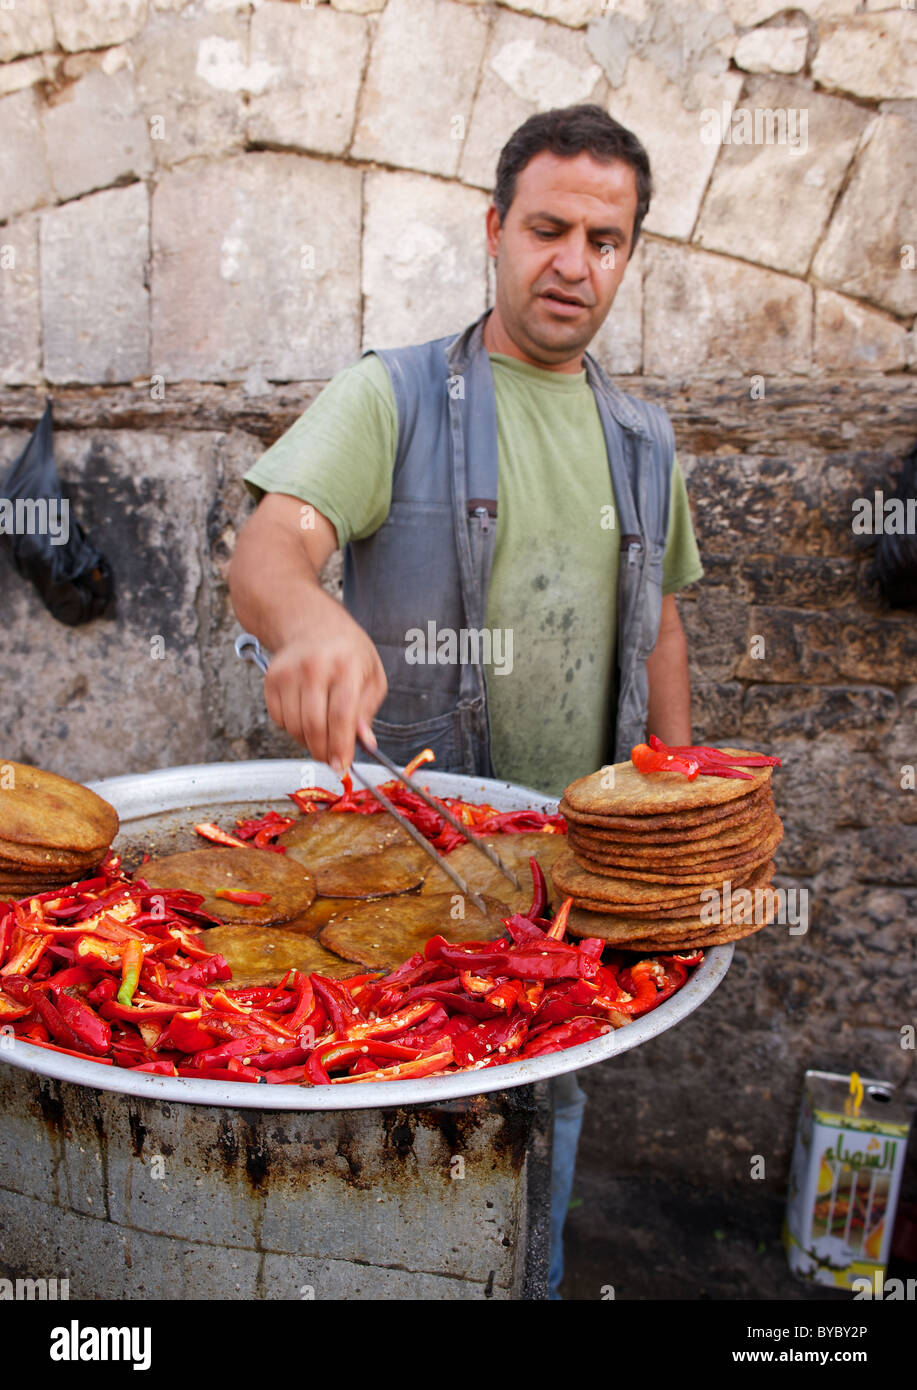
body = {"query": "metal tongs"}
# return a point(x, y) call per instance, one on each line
point(248, 648)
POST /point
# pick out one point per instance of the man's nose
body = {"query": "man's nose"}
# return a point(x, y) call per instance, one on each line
point(570, 258)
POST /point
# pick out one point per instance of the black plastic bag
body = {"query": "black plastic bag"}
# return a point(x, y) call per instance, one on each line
point(894, 566)
point(49, 546)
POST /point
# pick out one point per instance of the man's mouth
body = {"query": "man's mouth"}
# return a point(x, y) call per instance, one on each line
point(561, 298)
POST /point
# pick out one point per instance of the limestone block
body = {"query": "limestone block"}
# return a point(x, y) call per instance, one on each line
point(576, 13)
point(653, 107)
point(420, 85)
point(773, 50)
point(24, 179)
point(747, 13)
point(25, 28)
point(20, 318)
point(865, 250)
point(191, 79)
point(94, 299)
point(685, 42)
point(97, 25)
point(851, 337)
point(359, 6)
point(316, 59)
point(618, 345)
point(14, 77)
point(870, 55)
point(95, 133)
point(235, 290)
point(424, 258)
point(769, 200)
point(529, 66)
point(707, 315)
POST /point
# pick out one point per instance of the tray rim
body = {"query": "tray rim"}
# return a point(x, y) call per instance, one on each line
point(135, 797)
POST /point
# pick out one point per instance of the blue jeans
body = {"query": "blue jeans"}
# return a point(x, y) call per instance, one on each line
point(569, 1102)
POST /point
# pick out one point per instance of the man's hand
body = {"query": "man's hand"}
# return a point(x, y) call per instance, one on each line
point(669, 716)
point(325, 681)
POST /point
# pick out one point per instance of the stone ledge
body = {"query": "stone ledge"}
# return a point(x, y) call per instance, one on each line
point(874, 412)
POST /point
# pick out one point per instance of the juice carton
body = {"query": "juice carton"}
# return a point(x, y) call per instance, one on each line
point(844, 1179)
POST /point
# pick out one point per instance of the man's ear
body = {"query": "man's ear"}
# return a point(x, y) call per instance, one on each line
point(492, 223)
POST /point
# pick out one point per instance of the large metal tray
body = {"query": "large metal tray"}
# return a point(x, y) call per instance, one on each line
point(153, 805)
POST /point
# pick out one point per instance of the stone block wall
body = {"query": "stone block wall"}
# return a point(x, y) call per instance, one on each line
point(207, 208)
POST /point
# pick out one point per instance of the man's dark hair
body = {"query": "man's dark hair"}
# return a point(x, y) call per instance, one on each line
point(568, 131)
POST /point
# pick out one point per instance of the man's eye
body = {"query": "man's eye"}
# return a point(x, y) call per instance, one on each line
point(544, 232)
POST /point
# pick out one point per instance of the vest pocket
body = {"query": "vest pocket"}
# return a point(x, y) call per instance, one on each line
point(443, 733)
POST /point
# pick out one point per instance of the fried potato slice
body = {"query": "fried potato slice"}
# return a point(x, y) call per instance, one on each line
point(356, 856)
point(381, 934)
point(636, 793)
point(292, 888)
point(263, 955)
point(485, 877)
point(39, 808)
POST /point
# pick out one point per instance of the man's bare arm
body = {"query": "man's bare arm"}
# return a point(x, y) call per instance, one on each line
point(325, 680)
point(669, 716)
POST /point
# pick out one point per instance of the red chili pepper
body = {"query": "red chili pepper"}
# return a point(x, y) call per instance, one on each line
point(185, 1034)
point(11, 1009)
point(403, 1071)
point(539, 889)
point(243, 896)
point(131, 965)
point(160, 1068)
point(212, 832)
point(558, 927)
point(578, 1030)
point(70, 1051)
point(342, 1010)
point(646, 759)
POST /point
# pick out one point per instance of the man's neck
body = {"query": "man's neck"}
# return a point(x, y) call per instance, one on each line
point(497, 339)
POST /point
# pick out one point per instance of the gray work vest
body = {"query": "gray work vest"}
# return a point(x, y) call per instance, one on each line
point(427, 568)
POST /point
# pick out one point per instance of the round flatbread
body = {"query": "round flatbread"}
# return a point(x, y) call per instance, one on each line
point(659, 793)
point(292, 888)
point(356, 856)
point(700, 941)
point(263, 955)
point(673, 872)
point(706, 837)
point(571, 878)
point(484, 877)
point(680, 820)
point(380, 935)
point(314, 918)
point(677, 857)
point(27, 857)
point(39, 808)
point(673, 930)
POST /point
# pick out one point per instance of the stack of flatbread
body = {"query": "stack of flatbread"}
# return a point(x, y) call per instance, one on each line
point(656, 862)
point(52, 831)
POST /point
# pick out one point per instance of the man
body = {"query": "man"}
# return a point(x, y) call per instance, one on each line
point(496, 490)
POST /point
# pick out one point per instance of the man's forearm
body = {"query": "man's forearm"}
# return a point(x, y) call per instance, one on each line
point(669, 716)
point(273, 584)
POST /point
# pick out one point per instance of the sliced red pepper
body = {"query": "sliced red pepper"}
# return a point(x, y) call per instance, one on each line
point(646, 759)
point(403, 1071)
point(246, 897)
point(131, 965)
point(212, 832)
point(11, 1009)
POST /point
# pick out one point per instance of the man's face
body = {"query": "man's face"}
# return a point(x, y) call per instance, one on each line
point(556, 274)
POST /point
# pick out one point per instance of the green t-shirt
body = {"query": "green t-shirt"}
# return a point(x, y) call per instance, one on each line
point(553, 587)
